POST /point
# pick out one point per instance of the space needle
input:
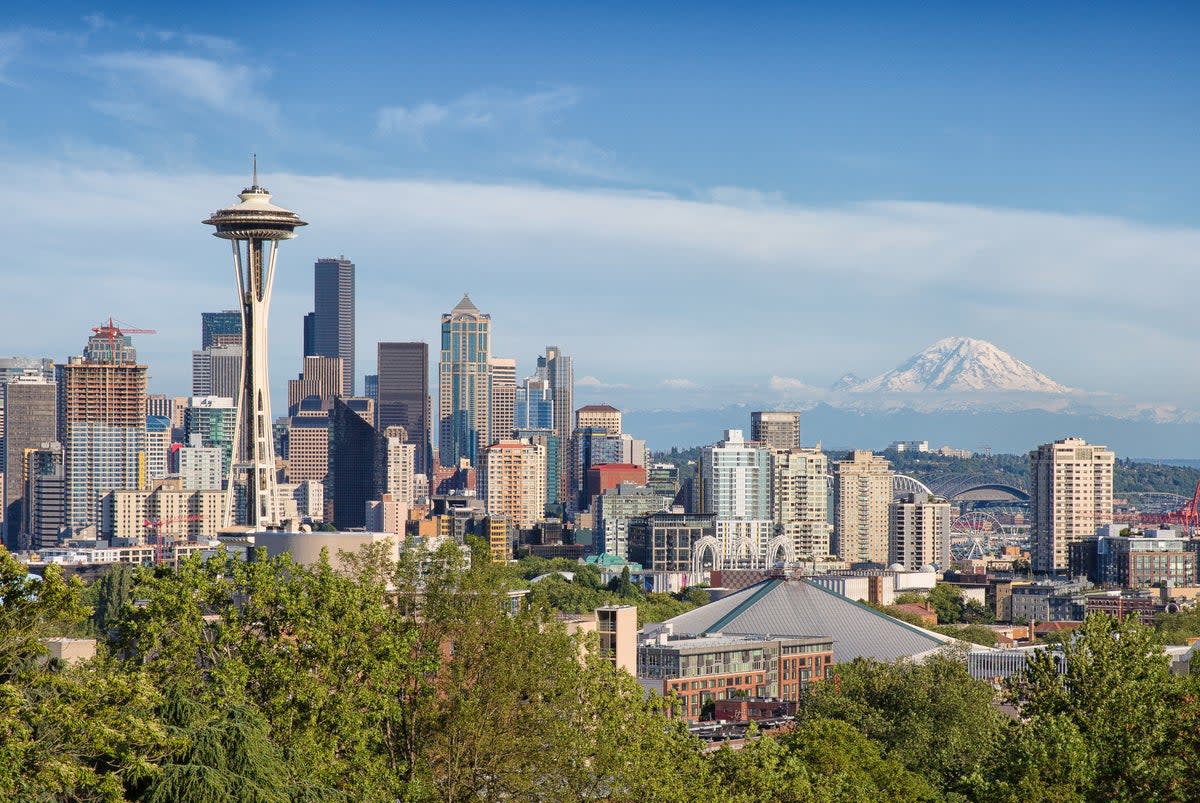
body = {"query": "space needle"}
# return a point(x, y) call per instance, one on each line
point(254, 227)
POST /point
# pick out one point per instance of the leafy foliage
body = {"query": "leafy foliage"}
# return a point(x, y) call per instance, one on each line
point(269, 681)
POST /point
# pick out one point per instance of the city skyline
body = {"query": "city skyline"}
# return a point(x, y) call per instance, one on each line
point(1011, 168)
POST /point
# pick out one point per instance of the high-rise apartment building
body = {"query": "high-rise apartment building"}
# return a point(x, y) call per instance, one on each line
point(863, 492)
point(158, 446)
point(221, 328)
point(30, 404)
point(211, 419)
point(513, 482)
point(1070, 495)
point(401, 462)
point(603, 417)
point(776, 429)
point(919, 532)
point(549, 443)
point(736, 478)
point(800, 500)
point(102, 426)
point(464, 388)
point(333, 309)
point(503, 373)
point(403, 396)
point(200, 467)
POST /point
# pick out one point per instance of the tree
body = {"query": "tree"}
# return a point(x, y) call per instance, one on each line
point(824, 760)
point(932, 717)
point(110, 594)
point(1136, 723)
point(66, 732)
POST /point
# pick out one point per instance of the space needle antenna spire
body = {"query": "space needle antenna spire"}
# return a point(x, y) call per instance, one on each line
point(254, 228)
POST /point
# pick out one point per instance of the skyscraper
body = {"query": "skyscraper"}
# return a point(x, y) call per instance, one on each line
point(30, 402)
point(217, 371)
point(863, 492)
point(776, 429)
point(221, 328)
point(800, 500)
point(102, 426)
point(403, 391)
point(45, 495)
point(559, 371)
point(599, 416)
point(212, 419)
point(534, 406)
point(464, 388)
point(919, 532)
point(736, 478)
point(333, 310)
point(513, 481)
point(254, 228)
point(323, 377)
point(1070, 495)
point(358, 456)
point(504, 398)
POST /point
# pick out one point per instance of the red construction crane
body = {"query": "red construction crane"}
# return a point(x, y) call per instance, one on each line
point(157, 524)
point(111, 332)
point(1186, 516)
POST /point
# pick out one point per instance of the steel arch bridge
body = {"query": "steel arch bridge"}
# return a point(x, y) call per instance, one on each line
point(902, 484)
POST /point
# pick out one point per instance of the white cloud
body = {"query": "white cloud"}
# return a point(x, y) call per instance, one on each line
point(231, 89)
point(722, 294)
point(678, 384)
point(483, 110)
point(741, 196)
point(413, 121)
point(788, 384)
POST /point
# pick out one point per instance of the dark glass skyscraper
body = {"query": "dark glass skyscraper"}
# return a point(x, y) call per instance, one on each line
point(333, 311)
point(403, 396)
point(357, 463)
point(221, 328)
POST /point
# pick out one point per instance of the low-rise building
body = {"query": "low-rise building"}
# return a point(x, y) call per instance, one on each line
point(702, 670)
point(1153, 557)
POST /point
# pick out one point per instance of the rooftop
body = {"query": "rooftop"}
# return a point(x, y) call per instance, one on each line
point(797, 607)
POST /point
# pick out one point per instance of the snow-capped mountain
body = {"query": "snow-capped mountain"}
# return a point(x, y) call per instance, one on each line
point(959, 365)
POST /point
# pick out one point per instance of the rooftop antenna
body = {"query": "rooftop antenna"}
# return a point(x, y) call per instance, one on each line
point(254, 169)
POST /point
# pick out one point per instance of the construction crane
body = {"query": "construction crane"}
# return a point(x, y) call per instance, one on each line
point(157, 524)
point(1186, 516)
point(110, 331)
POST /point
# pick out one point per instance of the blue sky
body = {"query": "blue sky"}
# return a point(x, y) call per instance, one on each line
point(703, 203)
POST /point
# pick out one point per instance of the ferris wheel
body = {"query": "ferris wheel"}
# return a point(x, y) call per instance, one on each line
point(974, 535)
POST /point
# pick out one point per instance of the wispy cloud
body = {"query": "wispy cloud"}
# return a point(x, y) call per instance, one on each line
point(752, 293)
point(788, 384)
point(483, 110)
point(11, 44)
point(595, 383)
point(678, 384)
point(182, 80)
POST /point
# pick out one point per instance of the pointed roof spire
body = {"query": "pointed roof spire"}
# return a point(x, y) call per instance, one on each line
point(254, 170)
point(466, 305)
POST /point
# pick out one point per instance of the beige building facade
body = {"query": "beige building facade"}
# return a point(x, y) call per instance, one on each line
point(863, 492)
point(1070, 495)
